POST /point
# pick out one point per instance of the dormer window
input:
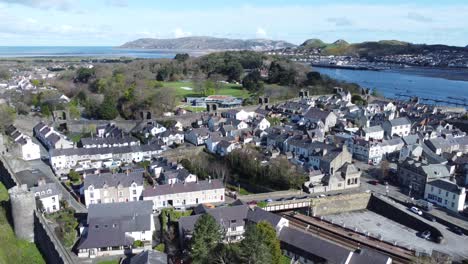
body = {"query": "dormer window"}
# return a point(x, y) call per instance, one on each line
point(91, 188)
point(49, 191)
point(42, 193)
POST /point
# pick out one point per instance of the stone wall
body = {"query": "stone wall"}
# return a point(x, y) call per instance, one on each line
point(339, 203)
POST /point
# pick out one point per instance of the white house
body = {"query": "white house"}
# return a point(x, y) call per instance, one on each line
point(399, 126)
point(186, 194)
point(197, 136)
point(63, 160)
point(112, 188)
point(262, 124)
point(373, 132)
point(25, 147)
point(112, 229)
point(153, 129)
point(446, 194)
point(50, 138)
point(49, 195)
point(241, 115)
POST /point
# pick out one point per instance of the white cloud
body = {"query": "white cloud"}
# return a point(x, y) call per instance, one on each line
point(261, 33)
point(180, 33)
point(45, 4)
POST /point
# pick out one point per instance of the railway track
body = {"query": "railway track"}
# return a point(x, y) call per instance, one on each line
point(351, 240)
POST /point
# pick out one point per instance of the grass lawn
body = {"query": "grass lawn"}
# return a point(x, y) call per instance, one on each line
point(115, 261)
point(13, 250)
point(235, 90)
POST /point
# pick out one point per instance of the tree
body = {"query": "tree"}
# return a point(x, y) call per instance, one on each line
point(85, 74)
point(206, 236)
point(268, 234)
point(108, 109)
point(45, 110)
point(375, 92)
point(226, 254)
point(74, 176)
point(181, 57)
point(254, 248)
point(209, 88)
point(253, 82)
point(5, 74)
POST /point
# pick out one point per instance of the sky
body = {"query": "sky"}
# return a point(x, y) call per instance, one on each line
point(114, 22)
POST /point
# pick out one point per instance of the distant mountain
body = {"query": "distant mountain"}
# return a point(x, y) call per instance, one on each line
point(372, 48)
point(207, 43)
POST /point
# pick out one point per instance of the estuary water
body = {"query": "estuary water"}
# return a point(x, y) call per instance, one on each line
point(103, 52)
point(433, 84)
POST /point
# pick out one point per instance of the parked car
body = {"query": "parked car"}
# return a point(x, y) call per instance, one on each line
point(426, 234)
point(457, 231)
point(416, 210)
point(429, 217)
point(268, 200)
point(373, 182)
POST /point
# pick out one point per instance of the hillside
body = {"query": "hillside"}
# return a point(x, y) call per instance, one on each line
point(372, 48)
point(207, 43)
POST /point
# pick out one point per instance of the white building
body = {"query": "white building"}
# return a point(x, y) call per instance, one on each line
point(112, 229)
point(25, 148)
point(49, 195)
point(112, 188)
point(399, 126)
point(373, 132)
point(63, 160)
point(446, 194)
point(50, 138)
point(185, 194)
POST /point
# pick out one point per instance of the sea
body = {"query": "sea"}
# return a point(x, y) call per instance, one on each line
point(440, 86)
point(67, 51)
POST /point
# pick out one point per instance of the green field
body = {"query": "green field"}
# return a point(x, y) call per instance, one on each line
point(235, 90)
point(13, 250)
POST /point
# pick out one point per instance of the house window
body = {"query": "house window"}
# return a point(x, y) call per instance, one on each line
point(432, 188)
point(446, 194)
point(134, 192)
point(453, 197)
point(453, 204)
point(91, 195)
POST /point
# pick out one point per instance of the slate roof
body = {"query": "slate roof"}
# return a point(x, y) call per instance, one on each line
point(44, 188)
point(373, 129)
point(98, 180)
point(446, 185)
point(108, 223)
point(400, 121)
point(96, 151)
point(313, 246)
point(108, 140)
point(367, 256)
point(182, 187)
point(149, 257)
point(317, 113)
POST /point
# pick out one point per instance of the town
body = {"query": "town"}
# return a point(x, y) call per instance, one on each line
point(339, 177)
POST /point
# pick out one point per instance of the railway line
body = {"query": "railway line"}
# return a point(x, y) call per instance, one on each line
point(349, 239)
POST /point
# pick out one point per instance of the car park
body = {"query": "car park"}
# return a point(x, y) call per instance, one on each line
point(416, 210)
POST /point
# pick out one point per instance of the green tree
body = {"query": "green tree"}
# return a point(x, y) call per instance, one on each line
point(5, 74)
point(206, 236)
point(226, 254)
point(74, 176)
point(254, 248)
point(45, 110)
point(7, 115)
point(375, 92)
point(181, 57)
point(108, 109)
point(253, 82)
point(268, 233)
point(210, 88)
point(35, 82)
point(83, 75)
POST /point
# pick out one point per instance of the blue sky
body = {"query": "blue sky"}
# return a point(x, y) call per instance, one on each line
point(113, 22)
